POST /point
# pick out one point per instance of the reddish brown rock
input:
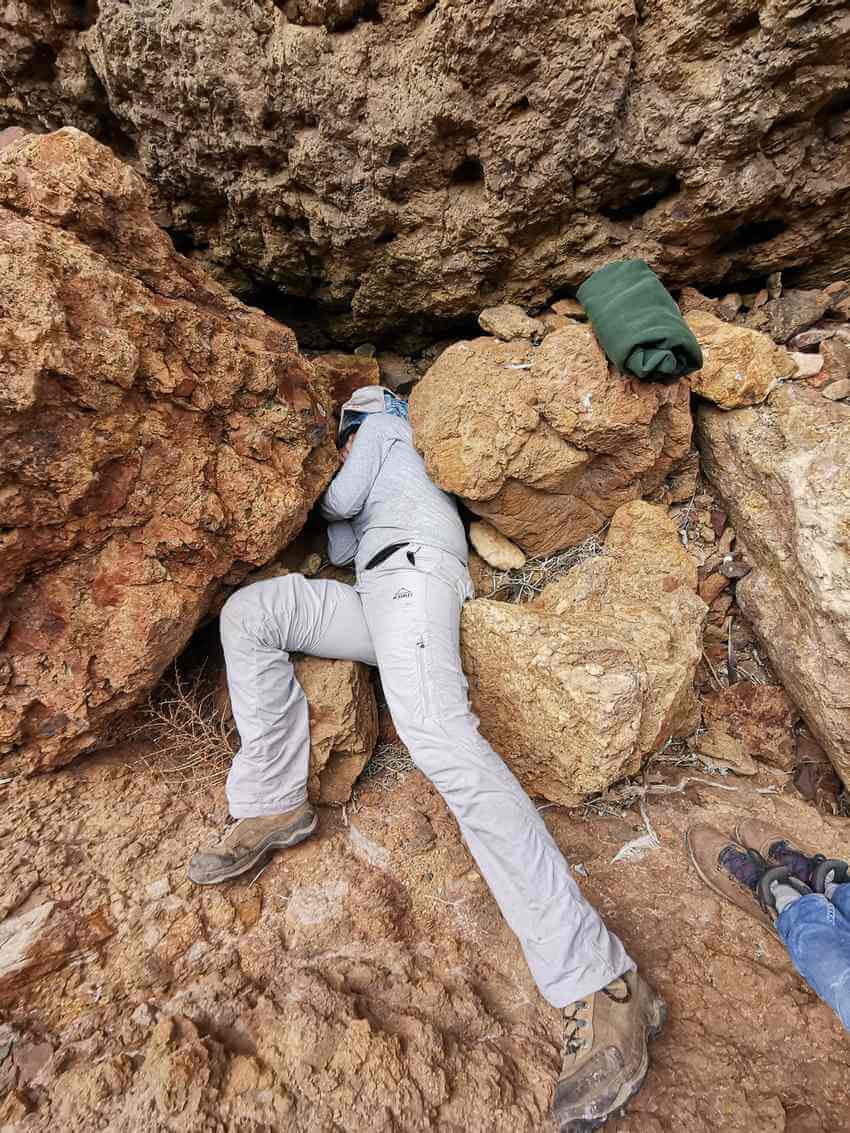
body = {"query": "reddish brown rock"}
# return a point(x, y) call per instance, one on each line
point(157, 440)
point(546, 443)
point(344, 373)
point(42, 939)
point(761, 717)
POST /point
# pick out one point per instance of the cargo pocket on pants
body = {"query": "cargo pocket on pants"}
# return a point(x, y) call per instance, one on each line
point(422, 673)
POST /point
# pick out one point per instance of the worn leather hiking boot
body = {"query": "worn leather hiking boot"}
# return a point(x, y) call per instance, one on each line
point(605, 1052)
point(740, 874)
point(777, 848)
point(249, 840)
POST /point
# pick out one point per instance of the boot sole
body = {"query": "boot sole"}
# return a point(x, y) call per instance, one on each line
point(715, 888)
point(268, 845)
point(652, 1028)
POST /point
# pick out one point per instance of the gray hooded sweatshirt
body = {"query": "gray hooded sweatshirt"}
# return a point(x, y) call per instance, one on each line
point(382, 494)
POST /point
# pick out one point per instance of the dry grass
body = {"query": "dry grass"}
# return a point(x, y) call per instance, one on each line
point(192, 732)
point(528, 581)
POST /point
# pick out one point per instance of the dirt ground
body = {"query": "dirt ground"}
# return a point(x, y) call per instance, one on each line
point(366, 981)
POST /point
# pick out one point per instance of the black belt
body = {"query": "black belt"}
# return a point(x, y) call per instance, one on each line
point(384, 554)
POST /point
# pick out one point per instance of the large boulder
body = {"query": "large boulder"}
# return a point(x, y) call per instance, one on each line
point(783, 475)
point(399, 163)
point(546, 442)
point(577, 688)
point(157, 440)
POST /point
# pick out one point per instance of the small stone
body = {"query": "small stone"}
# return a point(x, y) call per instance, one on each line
point(837, 391)
point(807, 364)
point(735, 570)
point(718, 521)
point(759, 299)
point(571, 308)
point(836, 360)
point(692, 300)
point(807, 338)
point(509, 322)
point(729, 306)
point(158, 889)
point(840, 288)
point(495, 548)
point(774, 284)
point(366, 350)
point(712, 586)
point(553, 322)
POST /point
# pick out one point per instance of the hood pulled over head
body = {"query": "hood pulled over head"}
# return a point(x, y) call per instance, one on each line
point(366, 400)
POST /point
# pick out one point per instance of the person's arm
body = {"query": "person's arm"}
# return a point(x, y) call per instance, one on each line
point(350, 488)
point(342, 543)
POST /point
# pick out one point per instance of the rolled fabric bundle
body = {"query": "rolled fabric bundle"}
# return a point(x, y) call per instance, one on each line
point(637, 321)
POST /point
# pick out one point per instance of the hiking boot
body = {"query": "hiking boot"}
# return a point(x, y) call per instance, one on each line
point(741, 875)
point(605, 1053)
point(812, 869)
point(248, 840)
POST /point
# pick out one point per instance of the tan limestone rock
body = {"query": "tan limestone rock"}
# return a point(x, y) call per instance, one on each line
point(576, 688)
point(546, 443)
point(494, 548)
point(343, 724)
point(782, 473)
point(509, 322)
point(740, 366)
point(157, 440)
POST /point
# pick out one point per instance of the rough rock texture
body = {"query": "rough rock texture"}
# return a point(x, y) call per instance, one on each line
point(344, 373)
point(343, 724)
point(157, 439)
point(578, 687)
point(366, 981)
point(509, 322)
point(400, 162)
point(42, 940)
point(782, 472)
point(740, 366)
point(788, 314)
point(761, 717)
point(494, 548)
point(546, 442)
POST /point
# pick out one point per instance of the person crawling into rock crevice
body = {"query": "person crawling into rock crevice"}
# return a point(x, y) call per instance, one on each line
point(409, 548)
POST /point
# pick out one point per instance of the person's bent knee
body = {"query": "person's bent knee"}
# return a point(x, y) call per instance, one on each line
point(246, 612)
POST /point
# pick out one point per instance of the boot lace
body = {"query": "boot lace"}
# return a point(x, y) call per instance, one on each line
point(573, 1041)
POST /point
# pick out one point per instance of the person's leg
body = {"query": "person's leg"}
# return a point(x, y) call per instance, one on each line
point(267, 784)
point(260, 625)
point(817, 935)
point(413, 617)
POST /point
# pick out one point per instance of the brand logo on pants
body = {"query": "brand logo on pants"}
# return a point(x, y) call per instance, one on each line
point(403, 593)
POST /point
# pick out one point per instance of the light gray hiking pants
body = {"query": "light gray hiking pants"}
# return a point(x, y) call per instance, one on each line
point(406, 620)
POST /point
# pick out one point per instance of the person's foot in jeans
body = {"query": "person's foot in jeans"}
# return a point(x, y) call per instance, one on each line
point(605, 1056)
point(740, 874)
point(247, 841)
point(779, 849)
